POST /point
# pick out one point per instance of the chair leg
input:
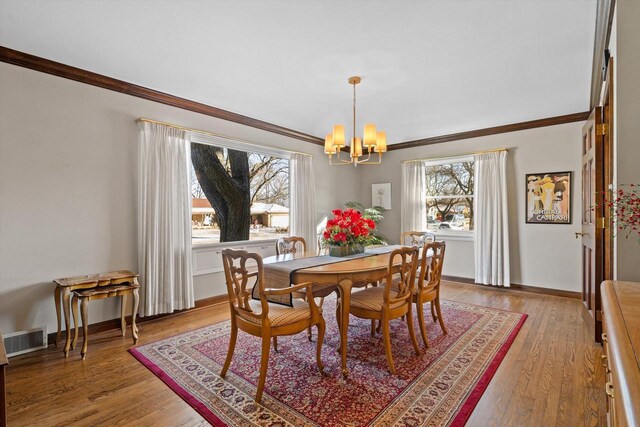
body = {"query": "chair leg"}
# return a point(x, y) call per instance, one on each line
point(433, 312)
point(387, 343)
point(309, 334)
point(339, 321)
point(373, 328)
point(275, 344)
point(423, 328)
point(321, 329)
point(440, 319)
point(412, 333)
point(264, 363)
point(232, 347)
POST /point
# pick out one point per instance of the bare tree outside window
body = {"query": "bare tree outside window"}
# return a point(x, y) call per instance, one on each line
point(238, 195)
point(450, 196)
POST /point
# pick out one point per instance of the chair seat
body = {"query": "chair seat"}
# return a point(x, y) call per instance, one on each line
point(372, 299)
point(279, 315)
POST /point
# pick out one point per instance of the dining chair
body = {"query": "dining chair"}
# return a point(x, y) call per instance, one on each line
point(385, 304)
point(261, 318)
point(427, 288)
point(417, 238)
point(290, 245)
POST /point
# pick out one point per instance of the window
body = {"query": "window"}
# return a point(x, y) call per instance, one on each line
point(449, 186)
point(238, 194)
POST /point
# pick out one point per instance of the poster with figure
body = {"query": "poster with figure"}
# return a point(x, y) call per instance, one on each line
point(548, 198)
point(381, 195)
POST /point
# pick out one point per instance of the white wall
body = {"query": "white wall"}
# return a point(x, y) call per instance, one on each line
point(546, 256)
point(67, 184)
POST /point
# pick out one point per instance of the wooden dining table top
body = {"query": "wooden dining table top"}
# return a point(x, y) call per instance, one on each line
point(361, 264)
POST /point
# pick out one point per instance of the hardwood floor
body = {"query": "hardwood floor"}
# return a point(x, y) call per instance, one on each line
point(550, 376)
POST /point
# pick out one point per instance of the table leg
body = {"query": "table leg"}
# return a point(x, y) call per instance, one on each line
point(66, 299)
point(134, 313)
point(84, 303)
point(345, 299)
point(56, 297)
point(74, 307)
point(123, 321)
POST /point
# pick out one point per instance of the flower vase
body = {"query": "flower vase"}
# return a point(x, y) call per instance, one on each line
point(342, 251)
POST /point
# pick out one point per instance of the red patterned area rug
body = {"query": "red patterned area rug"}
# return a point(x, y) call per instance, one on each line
point(439, 387)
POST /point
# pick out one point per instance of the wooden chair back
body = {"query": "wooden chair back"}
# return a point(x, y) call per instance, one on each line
point(406, 269)
point(417, 238)
point(238, 277)
point(431, 273)
point(290, 245)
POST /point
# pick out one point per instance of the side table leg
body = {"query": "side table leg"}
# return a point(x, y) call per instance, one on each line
point(123, 322)
point(134, 313)
point(76, 318)
point(66, 298)
point(85, 326)
point(56, 297)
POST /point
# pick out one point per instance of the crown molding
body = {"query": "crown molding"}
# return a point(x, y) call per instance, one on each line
point(514, 127)
point(43, 65)
point(47, 66)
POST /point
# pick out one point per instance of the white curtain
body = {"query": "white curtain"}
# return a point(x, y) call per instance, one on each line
point(164, 220)
point(303, 199)
point(413, 204)
point(491, 242)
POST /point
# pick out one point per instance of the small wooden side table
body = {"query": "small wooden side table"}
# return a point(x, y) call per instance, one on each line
point(102, 292)
point(66, 285)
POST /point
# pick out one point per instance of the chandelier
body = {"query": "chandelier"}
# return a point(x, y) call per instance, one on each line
point(374, 141)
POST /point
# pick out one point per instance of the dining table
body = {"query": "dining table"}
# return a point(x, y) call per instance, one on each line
point(341, 275)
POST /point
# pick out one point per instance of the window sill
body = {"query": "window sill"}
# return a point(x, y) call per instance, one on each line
point(208, 246)
point(463, 236)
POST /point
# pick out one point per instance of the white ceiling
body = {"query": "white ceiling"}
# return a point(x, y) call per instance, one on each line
point(428, 67)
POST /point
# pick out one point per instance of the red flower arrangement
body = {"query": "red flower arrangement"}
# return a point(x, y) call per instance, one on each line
point(624, 205)
point(348, 227)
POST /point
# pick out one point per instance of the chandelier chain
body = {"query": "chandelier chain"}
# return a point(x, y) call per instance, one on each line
point(354, 110)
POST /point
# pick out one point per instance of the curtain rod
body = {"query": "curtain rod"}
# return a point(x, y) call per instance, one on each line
point(217, 135)
point(497, 150)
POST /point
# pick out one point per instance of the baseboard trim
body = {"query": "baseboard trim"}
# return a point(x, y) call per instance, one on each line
point(113, 324)
point(518, 287)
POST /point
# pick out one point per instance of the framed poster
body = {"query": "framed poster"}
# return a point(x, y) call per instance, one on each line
point(548, 198)
point(381, 195)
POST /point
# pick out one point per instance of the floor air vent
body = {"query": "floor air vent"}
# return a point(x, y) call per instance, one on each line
point(25, 341)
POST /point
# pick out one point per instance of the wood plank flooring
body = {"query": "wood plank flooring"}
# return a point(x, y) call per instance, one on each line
point(550, 376)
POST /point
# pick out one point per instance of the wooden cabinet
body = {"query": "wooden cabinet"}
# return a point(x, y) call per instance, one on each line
point(3, 400)
point(621, 340)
